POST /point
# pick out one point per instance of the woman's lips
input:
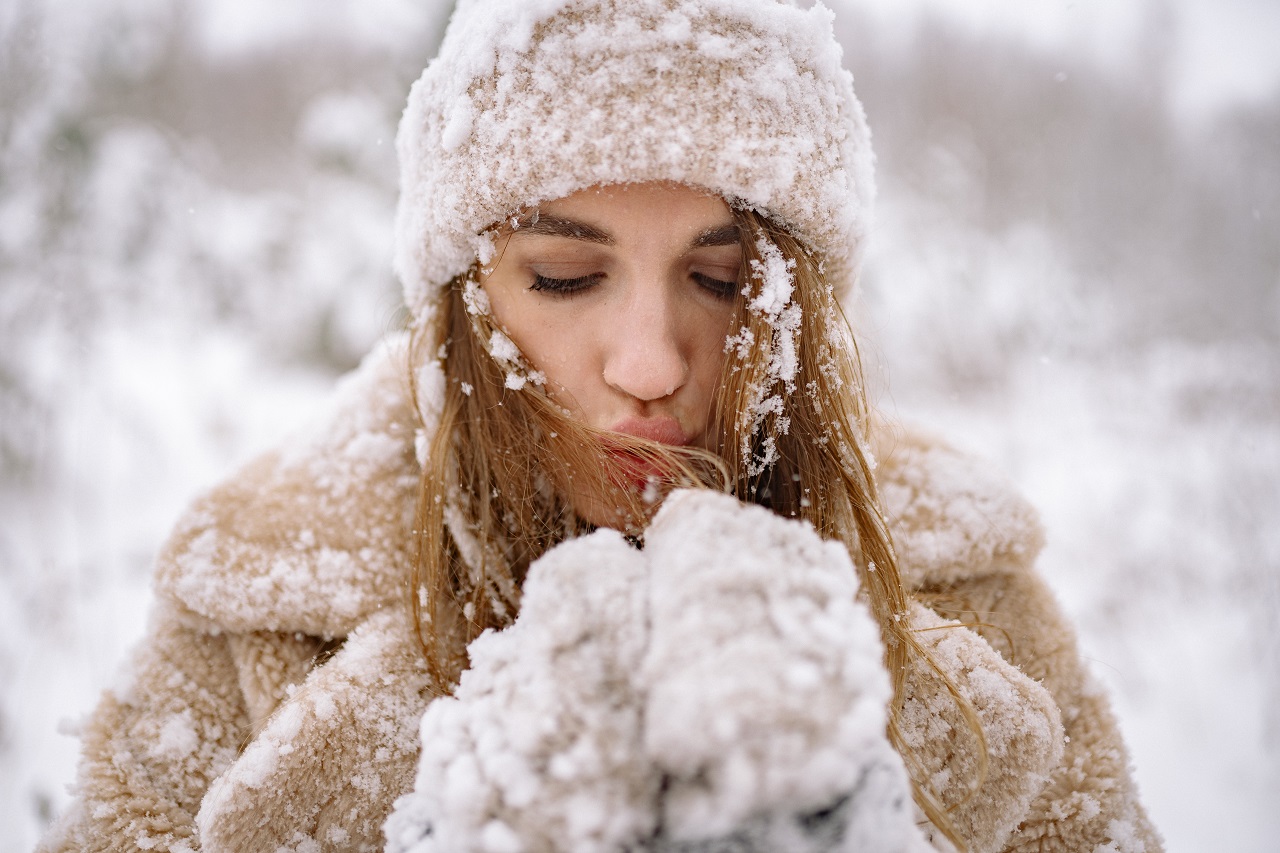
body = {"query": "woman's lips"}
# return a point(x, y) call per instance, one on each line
point(664, 430)
point(639, 471)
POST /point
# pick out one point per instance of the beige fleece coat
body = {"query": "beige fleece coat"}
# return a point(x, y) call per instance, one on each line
point(274, 703)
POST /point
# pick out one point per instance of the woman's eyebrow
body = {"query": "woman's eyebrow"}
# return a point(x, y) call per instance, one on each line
point(721, 235)
point(557, 226)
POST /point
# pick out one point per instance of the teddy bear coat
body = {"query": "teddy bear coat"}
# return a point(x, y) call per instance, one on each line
point(274, 702)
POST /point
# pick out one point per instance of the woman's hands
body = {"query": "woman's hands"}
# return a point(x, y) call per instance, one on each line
point(541, 746)
point(765, 694)
point(720, 690)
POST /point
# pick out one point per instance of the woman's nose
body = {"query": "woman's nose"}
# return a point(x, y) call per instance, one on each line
point(644, 357)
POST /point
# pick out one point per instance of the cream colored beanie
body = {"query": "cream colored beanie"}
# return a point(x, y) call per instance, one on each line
point(531, 100)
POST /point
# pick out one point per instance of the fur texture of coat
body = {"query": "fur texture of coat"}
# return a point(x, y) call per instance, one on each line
point(275, 700)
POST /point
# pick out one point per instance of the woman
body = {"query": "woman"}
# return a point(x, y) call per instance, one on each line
point(623, 232)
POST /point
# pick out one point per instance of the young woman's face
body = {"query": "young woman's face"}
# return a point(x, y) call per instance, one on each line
point(622, 296)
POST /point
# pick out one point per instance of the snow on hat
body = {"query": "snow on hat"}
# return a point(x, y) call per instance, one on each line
point(533, 100)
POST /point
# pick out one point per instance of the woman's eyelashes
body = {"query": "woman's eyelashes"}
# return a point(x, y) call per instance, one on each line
point(719, 288)
point(565, 286)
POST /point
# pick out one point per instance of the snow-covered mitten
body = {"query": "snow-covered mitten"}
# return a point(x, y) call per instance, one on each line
point(765, 691)
point(538, 749)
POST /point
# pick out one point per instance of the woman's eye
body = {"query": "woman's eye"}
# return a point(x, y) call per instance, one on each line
point(564, 286)
point(719, 288)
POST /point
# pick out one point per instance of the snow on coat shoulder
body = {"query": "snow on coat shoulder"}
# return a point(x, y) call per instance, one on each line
point(954, 517)
point(311, 537)
point(723, 686)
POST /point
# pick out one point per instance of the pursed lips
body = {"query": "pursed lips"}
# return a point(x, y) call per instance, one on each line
point(663, 429)
point(636, 470)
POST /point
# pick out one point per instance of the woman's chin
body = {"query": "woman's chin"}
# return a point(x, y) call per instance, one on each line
point(626, 504)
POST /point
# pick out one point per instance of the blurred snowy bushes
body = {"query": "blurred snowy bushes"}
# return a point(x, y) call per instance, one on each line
point(1170, 220)
point(156, 189)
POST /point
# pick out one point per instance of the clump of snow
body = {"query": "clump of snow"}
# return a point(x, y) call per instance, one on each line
point(177, 738)
point(476, 298)
point(502, 349)
point(773, 302)
point(617, 712)
point(508, 356)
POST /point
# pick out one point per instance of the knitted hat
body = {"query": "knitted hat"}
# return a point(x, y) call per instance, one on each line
point(532, 100)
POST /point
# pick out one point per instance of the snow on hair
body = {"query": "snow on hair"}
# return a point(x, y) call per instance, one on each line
point(528, 102)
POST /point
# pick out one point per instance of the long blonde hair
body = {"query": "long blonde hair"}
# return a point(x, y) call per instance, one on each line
point(501, 462)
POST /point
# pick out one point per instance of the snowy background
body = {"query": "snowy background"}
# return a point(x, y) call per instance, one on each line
point(1077, 274)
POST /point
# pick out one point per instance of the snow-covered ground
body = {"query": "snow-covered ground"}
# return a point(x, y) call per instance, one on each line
point(1075, 275)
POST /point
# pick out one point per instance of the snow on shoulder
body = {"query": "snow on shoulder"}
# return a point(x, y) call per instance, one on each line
point(952, 515)
point(721, 687)
point(309, 537)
